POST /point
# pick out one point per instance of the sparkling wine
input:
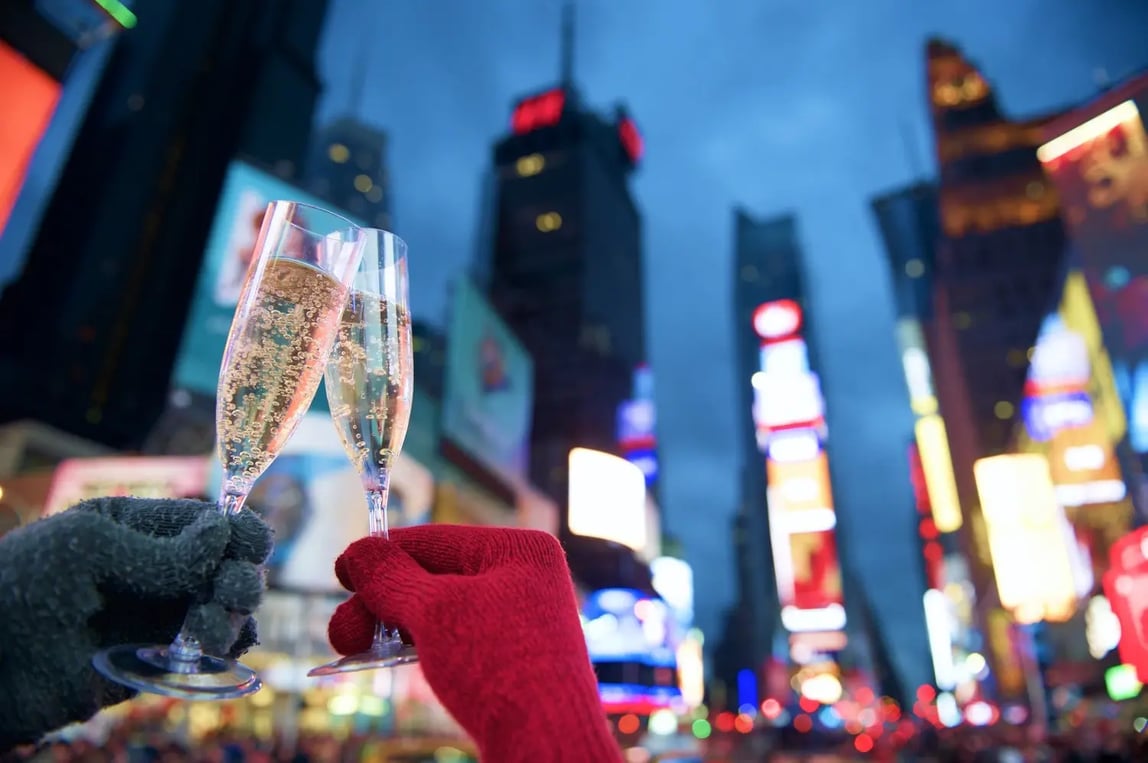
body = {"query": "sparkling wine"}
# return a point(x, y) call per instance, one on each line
point(370, 383)
point(275, 354)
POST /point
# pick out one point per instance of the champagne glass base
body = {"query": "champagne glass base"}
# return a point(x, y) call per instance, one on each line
point(386, 657)
point(151, 669)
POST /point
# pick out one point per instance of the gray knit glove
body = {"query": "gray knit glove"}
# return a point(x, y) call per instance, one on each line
point(116, 571)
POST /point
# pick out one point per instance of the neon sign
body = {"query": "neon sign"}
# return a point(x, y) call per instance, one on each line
point(777, 320)
point(544, 110)
point(631, 139)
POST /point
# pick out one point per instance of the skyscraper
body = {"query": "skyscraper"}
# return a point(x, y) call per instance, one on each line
point(998, 258)
point(347, 166)
point(800, 603)
point(565, 267)
point(788, 512)
point(909, 221)
point(89, 330)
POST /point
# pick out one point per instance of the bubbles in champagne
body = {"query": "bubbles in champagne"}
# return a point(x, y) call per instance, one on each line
point(370, 383)
point(275, 354)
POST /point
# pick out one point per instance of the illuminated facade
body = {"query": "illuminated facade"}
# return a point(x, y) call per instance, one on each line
point(91, 327)
point(909, 222)
point(564, 269)
point(792, 605)
point(999, 254)
point(1097, 157)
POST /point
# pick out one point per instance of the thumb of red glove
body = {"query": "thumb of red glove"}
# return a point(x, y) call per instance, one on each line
point(493, 616)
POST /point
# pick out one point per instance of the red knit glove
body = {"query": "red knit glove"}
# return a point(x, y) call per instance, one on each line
point(493, 615)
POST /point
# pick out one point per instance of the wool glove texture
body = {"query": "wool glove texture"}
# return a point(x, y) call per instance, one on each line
point(114, 571)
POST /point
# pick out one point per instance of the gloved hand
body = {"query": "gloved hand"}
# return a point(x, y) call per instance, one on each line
point(116, 571)
point(493, 615)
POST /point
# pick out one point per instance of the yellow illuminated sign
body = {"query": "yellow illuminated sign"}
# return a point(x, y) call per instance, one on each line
point(1029, 537)
point(1079, 315)
point(937, 465)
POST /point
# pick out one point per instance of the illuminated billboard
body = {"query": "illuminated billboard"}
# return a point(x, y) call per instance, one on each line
point(30, 98)
point(931, 436)
point(313, 499)
point(607, 498)
point(637, 426)
point(1126, 585)
point(1100, 168)
point(1070, 411)
point(1033, 547)
point(489, 389)
point(633, 640)
point(789, 414)
point(230, 246)
point(79, 479)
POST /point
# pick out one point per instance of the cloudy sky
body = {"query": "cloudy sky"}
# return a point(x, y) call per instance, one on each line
point(777, 105)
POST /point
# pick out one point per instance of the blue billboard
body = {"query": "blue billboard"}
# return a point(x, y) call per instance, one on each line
point(489, 388)
point(230, 247)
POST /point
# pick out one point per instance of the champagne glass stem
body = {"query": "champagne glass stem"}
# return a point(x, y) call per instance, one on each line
point(377, 510)
point(377, 516)
point(185, 650)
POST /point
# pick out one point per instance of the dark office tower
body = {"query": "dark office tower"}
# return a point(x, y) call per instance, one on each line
point(89, 330)
point(347, 166)
point(998, 255)
point(908, 219)
point(565, 268)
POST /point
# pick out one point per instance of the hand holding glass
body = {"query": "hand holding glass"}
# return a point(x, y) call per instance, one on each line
point(370, 383)
point(282, 333)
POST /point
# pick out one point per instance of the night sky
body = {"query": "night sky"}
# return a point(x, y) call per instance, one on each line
point(777, 105)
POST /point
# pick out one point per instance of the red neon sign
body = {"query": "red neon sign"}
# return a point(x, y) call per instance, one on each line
point(537, 111)
point(631, 139)
point(777, 320)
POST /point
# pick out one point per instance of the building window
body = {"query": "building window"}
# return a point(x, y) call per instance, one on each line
point(338, 153)
point(1003, 410)
point(548, 222)
point(363, 183)
point(914, 268)
point(749, 273)
point(375, 194)
point(962, 320)
point(529, 165)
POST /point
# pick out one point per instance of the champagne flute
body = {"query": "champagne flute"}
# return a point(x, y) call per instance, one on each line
point(370, 383)
point(284, 326)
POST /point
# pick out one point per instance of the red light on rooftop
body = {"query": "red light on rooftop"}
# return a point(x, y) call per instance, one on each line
point(803, 723)
point(863, 743)
point(631, 139)
point(538, 111)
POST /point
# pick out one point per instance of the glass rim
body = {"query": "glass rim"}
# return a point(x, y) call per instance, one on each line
point(385, 233)
point(349, 225)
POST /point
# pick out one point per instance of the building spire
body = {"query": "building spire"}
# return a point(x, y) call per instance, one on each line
point(567, 44)
point(359, 62)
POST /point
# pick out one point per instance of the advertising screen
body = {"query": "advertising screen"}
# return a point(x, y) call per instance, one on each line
point(607, 498)
point(489, 388)
point(1033, 546)
point(789, 413)
point(30, 98)
point(633, 641)
point(79, 479)
point(230, 247)
point(1100, 168)
point(312, 498)
point(1058, 411)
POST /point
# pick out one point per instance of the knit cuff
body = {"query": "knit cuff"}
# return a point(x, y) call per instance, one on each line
point(570, 727)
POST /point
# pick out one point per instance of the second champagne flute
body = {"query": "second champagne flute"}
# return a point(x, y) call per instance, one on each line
point(370, 383)
point(281, 336)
